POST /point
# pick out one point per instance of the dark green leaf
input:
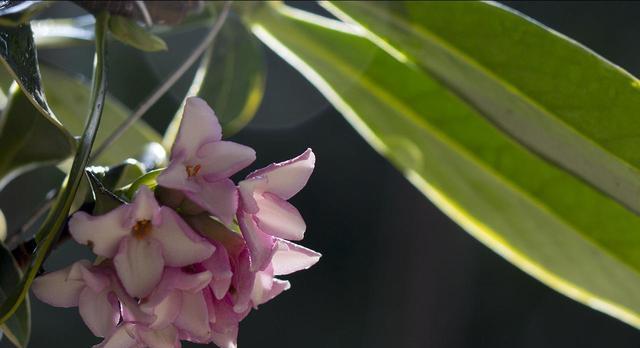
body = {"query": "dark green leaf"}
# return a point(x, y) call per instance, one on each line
point(18, 327)
point(547, 91)
point(130, 33)
point(105, 200)
point(27, 139)
point(69, 98)
point(544, 220)
point(231, 78)
point(50, 230)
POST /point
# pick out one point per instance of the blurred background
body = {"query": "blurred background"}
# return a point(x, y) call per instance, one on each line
point(395, 271)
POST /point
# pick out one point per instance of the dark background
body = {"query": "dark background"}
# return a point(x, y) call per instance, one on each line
point(395, 272)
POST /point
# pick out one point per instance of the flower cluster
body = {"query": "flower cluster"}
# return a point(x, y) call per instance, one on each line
point(171, 265)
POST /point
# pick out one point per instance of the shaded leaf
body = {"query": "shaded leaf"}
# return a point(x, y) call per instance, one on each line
point(105, 200)
point(155, 12)
point(69, 97)
point(130, 33)
point(231, 78)
point(539, 217)
point(49, 231)
point(549, 92)
point(27, 139)
point(18, 327)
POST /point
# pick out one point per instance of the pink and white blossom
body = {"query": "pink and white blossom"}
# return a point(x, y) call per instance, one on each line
point(141, 238)
point(264, 212)
point(201, 163)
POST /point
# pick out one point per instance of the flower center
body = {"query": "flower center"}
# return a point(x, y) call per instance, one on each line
point(141, 229)
point(193, 170)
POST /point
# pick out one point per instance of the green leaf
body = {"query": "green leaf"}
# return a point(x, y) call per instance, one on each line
point(130, 33)
point(69, 97)
point(105, 200)
point(148, 180)
point(27, 139)
point(18, 327)
point(231, 78)
point(539, 217)
point(552, 94)
point(50, 230)
point(18, 54)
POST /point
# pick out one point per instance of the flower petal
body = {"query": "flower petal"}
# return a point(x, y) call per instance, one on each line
point(61, 288)
point(220, 198)
point(100, 312)
point(199, 125)
point(266, 288)
point(166, 311)
point(181, 246)
point(285, 179)
point(220, 267)
point(290, 257)
point(193, 319)
point(260, 244)
point(143, 207)
point(101, 233)
point(175, 176)
point(279, 218)
point(139, 264)
point(243, 279)
point(221, 159)
point(121, 338)
point(225, 327)
point(165, 338)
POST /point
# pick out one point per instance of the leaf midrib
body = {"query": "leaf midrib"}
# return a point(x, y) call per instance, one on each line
point(434, 38)
point(408, 113)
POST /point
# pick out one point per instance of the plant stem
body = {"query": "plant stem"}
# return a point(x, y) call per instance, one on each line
point(51, 228)
point(167, 84)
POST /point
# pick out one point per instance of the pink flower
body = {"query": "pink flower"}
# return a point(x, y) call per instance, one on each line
point(93, 291)
point(265, 214)
point(201, 163)
point(142, 238)
point(132, 335)
point(179, 300)
point(255, 288)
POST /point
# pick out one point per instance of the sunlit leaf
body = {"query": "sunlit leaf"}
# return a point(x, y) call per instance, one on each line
point(557, 97)
point(18, 327)
point(539, 217)
point(27, 139)
point(231, 78)
point(63, 32)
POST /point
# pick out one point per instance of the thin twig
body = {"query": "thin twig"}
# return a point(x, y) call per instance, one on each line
point(167, 84)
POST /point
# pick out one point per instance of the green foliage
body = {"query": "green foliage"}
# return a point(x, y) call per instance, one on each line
point(50, 230)
point(231, 78)
point(130, 33)
point(541, 218)
point(69, 98)
point(27, 139)
point(545, 90)
point(18, 327)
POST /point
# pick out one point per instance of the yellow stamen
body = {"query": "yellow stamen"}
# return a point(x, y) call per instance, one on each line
point(141, 229)
point(193, 170)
